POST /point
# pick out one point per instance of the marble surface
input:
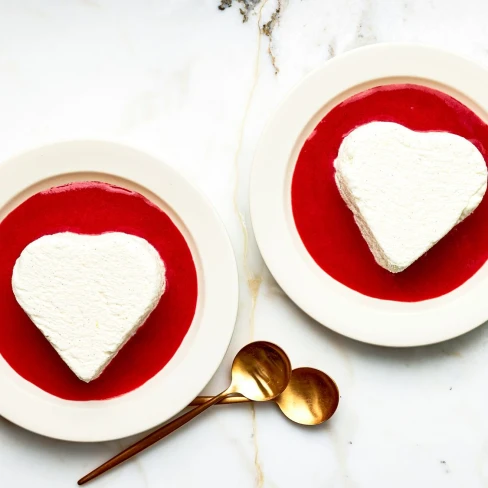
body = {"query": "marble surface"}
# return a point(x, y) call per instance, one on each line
point(195, 85)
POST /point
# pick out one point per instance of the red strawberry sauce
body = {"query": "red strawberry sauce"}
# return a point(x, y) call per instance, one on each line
point(95, 208)
point(326, 226)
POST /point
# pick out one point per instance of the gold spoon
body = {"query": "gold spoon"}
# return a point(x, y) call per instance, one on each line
point(260, 372)
point(310, 398)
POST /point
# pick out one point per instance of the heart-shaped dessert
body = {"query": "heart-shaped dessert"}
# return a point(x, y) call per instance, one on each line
point(88, 294)
point(407, 189)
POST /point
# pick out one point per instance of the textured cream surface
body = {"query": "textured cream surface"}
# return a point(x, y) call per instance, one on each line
point(88, 294)
point(407, 189)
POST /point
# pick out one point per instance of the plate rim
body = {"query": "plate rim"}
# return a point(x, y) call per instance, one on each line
point(327, 301)
point(212, 327)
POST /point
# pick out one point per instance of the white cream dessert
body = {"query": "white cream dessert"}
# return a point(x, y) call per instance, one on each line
point(88, 294)
point(407, 189)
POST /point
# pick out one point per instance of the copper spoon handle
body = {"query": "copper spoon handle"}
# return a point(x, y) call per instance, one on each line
point(235, 399)
point(152, 438)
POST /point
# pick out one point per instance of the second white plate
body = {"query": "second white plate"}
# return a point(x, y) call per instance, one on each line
point(343, 310)
point(206, 342)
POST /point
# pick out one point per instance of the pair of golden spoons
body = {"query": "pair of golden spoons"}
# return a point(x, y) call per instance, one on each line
point(261, 372)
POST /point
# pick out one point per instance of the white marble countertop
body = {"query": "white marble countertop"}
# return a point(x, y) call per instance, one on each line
point(195, 85)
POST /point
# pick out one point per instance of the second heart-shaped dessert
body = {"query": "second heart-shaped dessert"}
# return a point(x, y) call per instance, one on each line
point(88, 294)
point(407, 189)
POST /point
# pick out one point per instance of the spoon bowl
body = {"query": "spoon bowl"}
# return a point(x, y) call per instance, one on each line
point(310, 398)
point(260, 371)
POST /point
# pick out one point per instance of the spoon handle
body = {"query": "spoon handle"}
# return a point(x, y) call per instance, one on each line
point(235, 399)
point(152, 438)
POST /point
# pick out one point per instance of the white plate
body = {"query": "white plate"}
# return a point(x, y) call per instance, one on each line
point(343, 310)
point(206, 342)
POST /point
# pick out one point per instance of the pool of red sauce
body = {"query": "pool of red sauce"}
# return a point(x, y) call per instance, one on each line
point(327, 227)
point(95, 208)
